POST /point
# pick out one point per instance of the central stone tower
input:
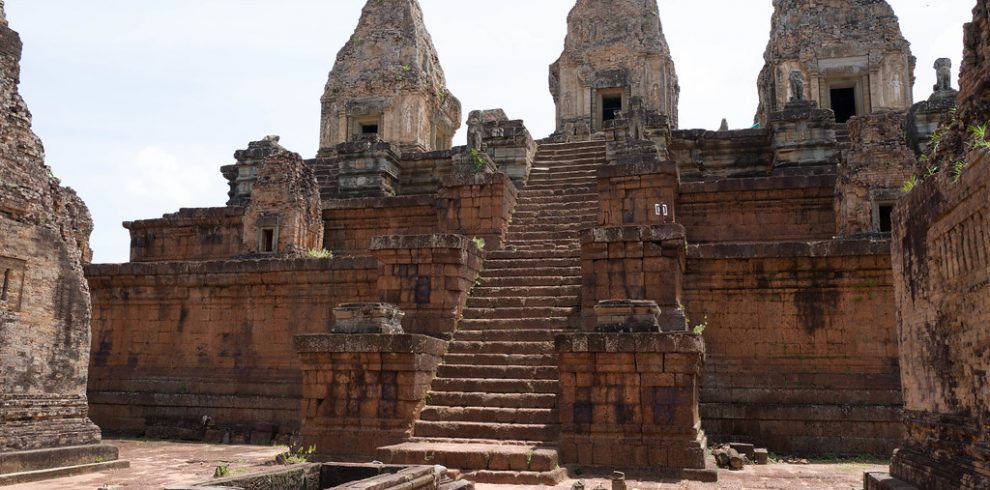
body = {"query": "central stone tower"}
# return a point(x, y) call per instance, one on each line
point(388, 84)
point(851, 55)
point(615, 51)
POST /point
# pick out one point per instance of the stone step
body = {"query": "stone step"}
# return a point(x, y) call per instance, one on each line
point(543, 323)
point(594, 156)
point(502, 400)
point(522, 301)
point(544, 247)
point(560, 180)
point(482, 430)
point(536, 271)
point(484, 385)
point(500, 347)
point(518, 478)
point(513, 313)
point(490, 415)
point(524, 292)
point(589, 190)
point(548, 373)
point(509, 335)
point(566, 172)
point(478, 456)
point(584, 184)
point(513, 236)
point(532, 281)
point(551, 254)
point(535, 221)
point(583, 205)
point(534, 225)
point(502, 359)
point(492, 264)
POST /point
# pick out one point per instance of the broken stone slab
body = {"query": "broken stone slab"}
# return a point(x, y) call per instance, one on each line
point(761, 456)
point(748, 449)
point(367, 318)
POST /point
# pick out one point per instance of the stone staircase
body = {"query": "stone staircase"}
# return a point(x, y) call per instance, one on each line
point(492, 410)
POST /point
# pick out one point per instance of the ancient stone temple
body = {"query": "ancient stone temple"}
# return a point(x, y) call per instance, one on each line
point(851, 54)
point(45, 429)
point(942, 265)
point(388, 83)
point(614, 52)
point(617, 294)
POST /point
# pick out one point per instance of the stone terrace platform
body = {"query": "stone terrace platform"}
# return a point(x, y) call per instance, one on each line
point(156, 464)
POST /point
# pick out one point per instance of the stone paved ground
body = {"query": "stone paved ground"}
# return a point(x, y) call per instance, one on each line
point(156, 464)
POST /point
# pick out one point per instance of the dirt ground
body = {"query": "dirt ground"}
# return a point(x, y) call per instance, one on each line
point(157, 464)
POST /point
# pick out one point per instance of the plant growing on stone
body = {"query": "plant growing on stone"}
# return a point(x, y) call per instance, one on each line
point(957, 170)
point(296, 455)
point(979, 133)
point(478, 162)
point(479, 243)
point(910, 184)
point(222, 471)
point(319, 254)
point(700, 328)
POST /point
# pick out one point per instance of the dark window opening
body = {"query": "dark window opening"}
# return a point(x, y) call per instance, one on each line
point(6, 286)
point(843, 104)
point(267, 241)
point(611, 106)
point(886, 222)
point(369, 129)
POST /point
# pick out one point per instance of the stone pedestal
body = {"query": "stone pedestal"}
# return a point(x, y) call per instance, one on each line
point(633, 263)
point(803, 139)
point(637, 187)
point(363, 391)
point(429, 277)
point(509, 143)
point(367, 169)
point(477, 206)
point(631, 401)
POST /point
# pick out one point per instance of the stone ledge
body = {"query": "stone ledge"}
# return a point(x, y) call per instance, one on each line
point(784, 182)
point(658, 233)
point(46, 464)
point(367, 343)
point(407, 242)
point(459, 180)
point(226, 266)
point(637, 169)
point(191, 217)
point(379, 202)
point(883, 481)
point(630, 342)
point(824, 249)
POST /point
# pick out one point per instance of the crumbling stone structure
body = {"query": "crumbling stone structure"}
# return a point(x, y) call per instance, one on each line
point(851, 54)
point(613, 52)
point(942, 265)
point(515, 306)
point(388, 84)
point(44, 303)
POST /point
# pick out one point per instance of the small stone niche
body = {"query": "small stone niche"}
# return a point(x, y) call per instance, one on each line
point(11, 284)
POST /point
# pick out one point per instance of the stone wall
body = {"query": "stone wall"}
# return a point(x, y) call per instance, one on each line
point(942, 266)
point(801, 341)
point(176, 342)
point(941, 260)
point(350, 224)
point(631, 400)
point(44, 302)
point(362, 392)
point(758, 209)
point(190, 234)
point(704, 155)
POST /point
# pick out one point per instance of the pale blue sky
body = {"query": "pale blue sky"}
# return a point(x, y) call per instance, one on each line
point(139, 103)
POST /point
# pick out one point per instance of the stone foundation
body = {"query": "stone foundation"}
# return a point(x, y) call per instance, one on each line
point(631, 400)
point(361, 392)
